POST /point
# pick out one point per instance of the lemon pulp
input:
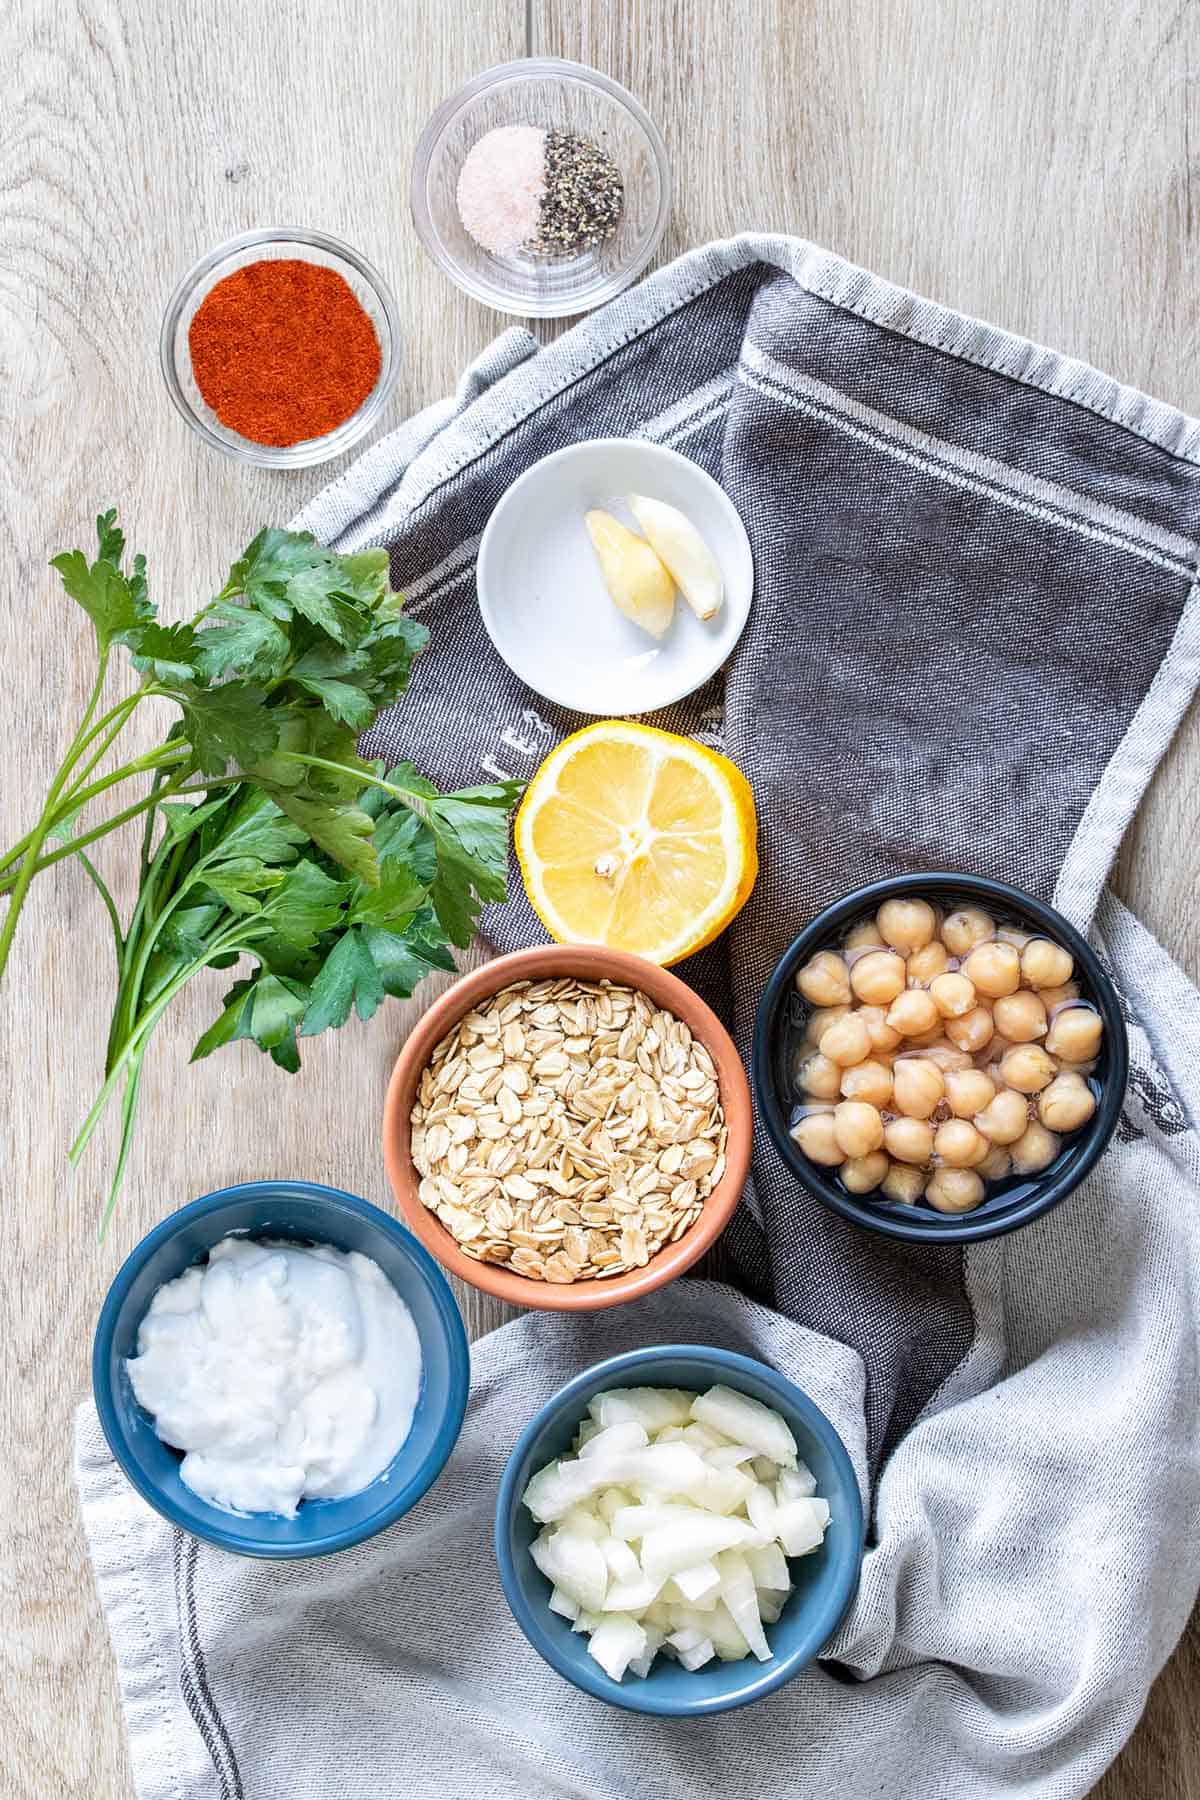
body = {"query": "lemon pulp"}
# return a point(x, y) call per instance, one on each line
point(637, 839)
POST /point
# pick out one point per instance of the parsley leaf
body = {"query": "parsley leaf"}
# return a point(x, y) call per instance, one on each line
point(168, 652)
point(266, 1008)
point(348, 978)
point(241, 881)
point(228, 724)
point(329, 672)
point(343, 832)
point(243, 639)
point(255, 826)
point(111, 603)
point(307, 902)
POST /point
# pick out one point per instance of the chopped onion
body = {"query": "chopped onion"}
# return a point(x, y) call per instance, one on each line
point(667, 1531)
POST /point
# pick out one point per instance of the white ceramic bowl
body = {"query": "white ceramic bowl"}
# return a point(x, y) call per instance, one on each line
point(557, 95)
point(543, 599)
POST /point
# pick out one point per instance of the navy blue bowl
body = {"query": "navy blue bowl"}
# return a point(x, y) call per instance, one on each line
point(825, 1581)
point(779, 1031)
point(302, 1212)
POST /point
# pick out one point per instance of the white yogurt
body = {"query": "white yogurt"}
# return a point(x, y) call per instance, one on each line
point(285, 1372)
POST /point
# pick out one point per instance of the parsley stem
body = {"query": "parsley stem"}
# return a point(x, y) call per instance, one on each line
point(116, 720)
point(136, 1041)
point(110, 905)
point(170, 792)
point(128, 1111)
point(163, 758)
point(38, 837)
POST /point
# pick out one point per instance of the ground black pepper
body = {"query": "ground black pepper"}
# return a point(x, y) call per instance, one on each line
point(584, 197)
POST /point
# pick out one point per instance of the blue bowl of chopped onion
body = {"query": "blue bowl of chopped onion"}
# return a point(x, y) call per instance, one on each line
point(679, 1531)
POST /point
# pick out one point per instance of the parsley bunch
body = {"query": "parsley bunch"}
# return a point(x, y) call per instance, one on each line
point(264, 833)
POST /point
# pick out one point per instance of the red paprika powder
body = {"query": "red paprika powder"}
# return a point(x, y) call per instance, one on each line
point(283, 351)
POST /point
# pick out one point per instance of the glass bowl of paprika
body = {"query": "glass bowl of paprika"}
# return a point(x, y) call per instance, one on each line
point(281, 347)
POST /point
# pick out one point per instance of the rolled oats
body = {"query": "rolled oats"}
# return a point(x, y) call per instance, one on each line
point(568, 1129)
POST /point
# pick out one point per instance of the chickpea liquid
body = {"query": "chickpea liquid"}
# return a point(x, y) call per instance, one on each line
point(942, 1052)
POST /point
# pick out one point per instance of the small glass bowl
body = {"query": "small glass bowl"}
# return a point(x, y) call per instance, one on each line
point(277, 245)
point(556, 95)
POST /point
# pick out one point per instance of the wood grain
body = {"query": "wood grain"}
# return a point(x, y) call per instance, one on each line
point(1027, 161)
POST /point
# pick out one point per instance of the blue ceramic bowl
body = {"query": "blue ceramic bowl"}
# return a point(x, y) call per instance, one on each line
point(779, 1032)
point(824, 1582)
point(303, 1212)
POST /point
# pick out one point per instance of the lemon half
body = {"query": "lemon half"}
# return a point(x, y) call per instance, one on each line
point(637, 839)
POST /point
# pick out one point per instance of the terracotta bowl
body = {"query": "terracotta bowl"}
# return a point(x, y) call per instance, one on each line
point(588, 963)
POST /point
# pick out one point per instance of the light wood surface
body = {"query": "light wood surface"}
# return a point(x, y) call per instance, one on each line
point(1026, 160)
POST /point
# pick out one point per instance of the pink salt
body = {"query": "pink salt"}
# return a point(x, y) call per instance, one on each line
point(501, 186)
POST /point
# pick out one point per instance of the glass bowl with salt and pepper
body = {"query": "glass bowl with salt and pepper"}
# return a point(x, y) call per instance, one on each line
point(541, 188)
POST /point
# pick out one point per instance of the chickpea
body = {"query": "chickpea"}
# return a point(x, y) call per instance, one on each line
point(953, 995)
point(878, 977)
point(1067, 1103)
point(847, 1041)
point(959, 1145)
point(1054, 997)
point(906, 924)
point(820, 1077)
point(996, 1165)
point(1027, 1068)
point(1045, 964)
point(908, 1140)
point(870, 1081)
point(972, 1031)
point(914, 1012)
point(864, 936)
point(860, 1174)
point(815, 1135)
point(825, 980)
point(1034, 1151)
point(821, 1018)
point(947, 1057)
point(858, 1127)
point(968, 1091)
point(917, 1086)
point(926, 964)
point(1074, 1034)
point(903, 1183)
point(883, 1038)
point(963, 929)
point(1004, 1119)
point(954, 1190)
point(994, 968)
point(1020, 1016)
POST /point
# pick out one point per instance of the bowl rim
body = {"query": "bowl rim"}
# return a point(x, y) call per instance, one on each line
point(399, 1501)
point(931, 1228)
point(487, 590)
point(826, 1618)
point(590, 962)
point(492, 293)
point(310, 451)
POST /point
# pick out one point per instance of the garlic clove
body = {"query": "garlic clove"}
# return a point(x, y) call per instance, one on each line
point(638, 583)
point(684, 551)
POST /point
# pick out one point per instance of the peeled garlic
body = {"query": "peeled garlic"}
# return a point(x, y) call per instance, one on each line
point(638, 583)
point(684, 551)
